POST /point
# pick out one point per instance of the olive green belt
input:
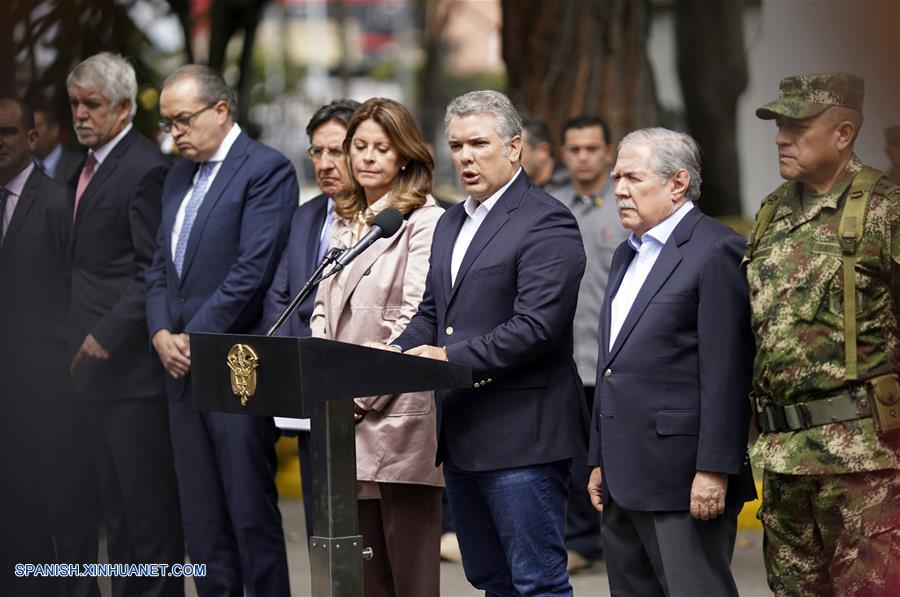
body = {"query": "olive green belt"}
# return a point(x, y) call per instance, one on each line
point(794, 417)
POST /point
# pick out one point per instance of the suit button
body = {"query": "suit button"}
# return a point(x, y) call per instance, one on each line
point(607, 373)
point(477, 385)
point(489, 380)
point(449, 330)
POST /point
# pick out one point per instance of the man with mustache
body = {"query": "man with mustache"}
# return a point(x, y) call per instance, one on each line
point(824, 274)
point(116, 211)
point(669, 439)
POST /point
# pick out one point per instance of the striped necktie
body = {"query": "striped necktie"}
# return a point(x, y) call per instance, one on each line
point(190, 212)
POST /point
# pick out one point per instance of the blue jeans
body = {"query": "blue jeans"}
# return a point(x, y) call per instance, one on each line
point(511, 528)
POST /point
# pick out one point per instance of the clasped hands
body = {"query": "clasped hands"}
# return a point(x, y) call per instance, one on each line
point(174, 352)
point(707, 493)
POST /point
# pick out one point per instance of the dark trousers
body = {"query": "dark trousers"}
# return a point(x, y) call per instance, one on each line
point(226, 480)
point(404, 530)
point(582, 520)
point(668, 553)
point(49, 500)
point(25, 534)
point(139, 494)
point(72, 489)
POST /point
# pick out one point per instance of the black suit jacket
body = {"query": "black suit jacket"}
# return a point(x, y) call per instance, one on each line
point(112, 247)
point(672, 393)
point(69, 166)
point(297, 264)
point(34, 291)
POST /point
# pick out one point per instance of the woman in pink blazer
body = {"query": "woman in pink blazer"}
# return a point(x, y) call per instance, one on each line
point(398, 484)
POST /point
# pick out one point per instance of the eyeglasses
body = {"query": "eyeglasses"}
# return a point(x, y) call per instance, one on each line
point(316, 153)
point(183, 122)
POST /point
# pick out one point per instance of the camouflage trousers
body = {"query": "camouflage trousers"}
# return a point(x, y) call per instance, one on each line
point(832, 534)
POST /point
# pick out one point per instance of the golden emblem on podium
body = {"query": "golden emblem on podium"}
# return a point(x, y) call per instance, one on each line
point(242, 361)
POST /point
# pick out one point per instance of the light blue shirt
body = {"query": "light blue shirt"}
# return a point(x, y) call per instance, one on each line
point(647, 248)
point(49, 163)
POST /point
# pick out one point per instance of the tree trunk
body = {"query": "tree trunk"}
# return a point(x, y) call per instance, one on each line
point(712, 68)
point(570, 57)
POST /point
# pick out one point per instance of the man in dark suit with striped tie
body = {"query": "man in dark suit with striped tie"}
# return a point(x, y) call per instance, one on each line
point(226, 211)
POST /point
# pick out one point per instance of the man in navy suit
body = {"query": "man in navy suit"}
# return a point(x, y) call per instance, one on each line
point(225, 215)
point(669, 435)
point(307, 244)
point(500, 297)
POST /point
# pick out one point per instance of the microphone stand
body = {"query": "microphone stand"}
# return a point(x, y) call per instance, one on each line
point(330, 257)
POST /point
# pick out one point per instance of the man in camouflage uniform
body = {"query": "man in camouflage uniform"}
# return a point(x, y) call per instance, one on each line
point(831, 495)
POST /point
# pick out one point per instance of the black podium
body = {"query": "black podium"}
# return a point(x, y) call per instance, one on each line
point(313, 377)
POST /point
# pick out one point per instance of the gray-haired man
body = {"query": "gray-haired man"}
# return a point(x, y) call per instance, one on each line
point(116, 214)
point(500, 297)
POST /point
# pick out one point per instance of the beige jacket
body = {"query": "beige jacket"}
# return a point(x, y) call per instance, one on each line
point(373, 299)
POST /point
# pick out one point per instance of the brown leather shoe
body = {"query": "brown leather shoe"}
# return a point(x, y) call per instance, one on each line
point(577, 562)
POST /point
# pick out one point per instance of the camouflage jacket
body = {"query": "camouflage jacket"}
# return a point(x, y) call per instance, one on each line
point(796, 294)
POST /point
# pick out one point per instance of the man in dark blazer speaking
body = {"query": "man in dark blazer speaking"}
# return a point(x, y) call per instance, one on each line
point(671, 414)
point(500, 297)
point(225, 217)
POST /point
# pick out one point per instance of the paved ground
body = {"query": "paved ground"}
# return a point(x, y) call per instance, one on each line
point(748, 565)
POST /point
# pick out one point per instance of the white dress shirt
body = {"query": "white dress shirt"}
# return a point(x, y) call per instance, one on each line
point(476, 214)
point(648, 247)
point(101, 153)
point(217, 159)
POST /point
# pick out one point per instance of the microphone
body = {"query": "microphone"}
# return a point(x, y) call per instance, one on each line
point(384, 225)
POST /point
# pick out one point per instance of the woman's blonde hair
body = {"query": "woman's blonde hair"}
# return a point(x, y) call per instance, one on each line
point(415, 179)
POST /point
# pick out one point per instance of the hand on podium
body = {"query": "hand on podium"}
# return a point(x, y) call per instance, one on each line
point(382, 346)
point(438, 353)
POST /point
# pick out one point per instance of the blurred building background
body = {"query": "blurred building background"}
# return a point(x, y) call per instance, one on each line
point(631, 61)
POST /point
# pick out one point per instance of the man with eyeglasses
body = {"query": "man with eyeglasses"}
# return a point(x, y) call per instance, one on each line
point(307, 244)
point(226, 208)
point(116, 210)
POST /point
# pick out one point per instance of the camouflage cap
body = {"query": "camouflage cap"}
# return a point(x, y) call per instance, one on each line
point(892, 135)
point(804, 96)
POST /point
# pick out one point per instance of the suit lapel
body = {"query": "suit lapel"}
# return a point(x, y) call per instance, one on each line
point(495, 220)
point(621, 259)
point(442, 261)
point(315, 236)
point(232, 162)
point(668, 260)
point(101, 174)
point(182, 175)
point(23, 206)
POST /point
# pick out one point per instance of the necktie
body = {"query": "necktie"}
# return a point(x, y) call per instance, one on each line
point(3, 196)
point(87, 172)
point(325, 239)
point(190, 212)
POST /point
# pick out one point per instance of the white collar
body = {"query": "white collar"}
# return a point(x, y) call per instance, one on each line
point(104, 150)
point(471, 205)
point(662, 231)
point(225, 145)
